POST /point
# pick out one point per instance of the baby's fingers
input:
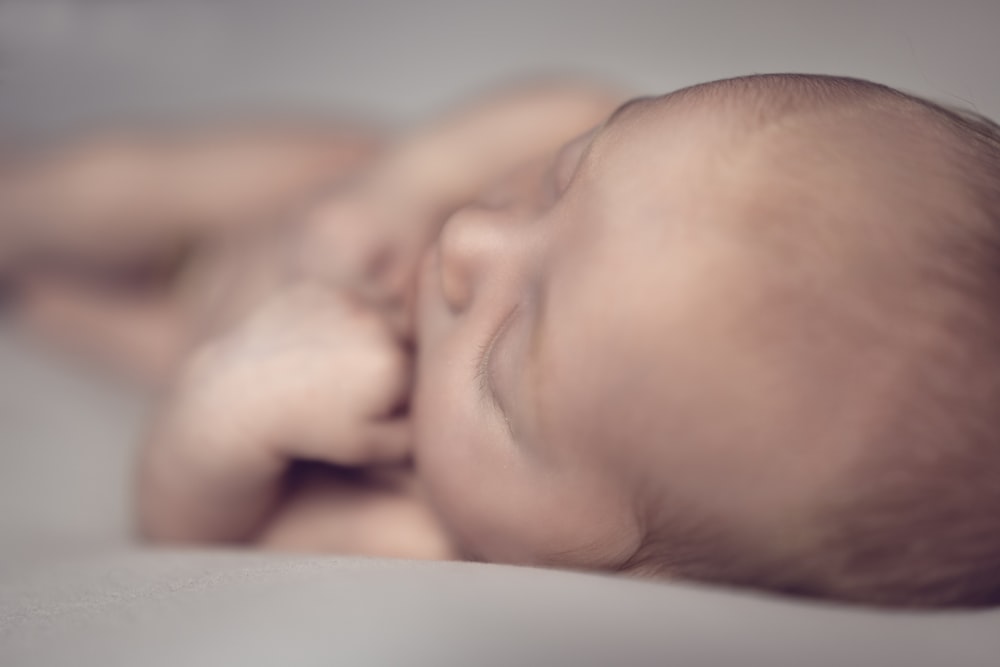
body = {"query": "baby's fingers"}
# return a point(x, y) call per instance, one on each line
point(304, 378)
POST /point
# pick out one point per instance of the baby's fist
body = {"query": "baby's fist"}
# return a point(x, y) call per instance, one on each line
point(309, 375)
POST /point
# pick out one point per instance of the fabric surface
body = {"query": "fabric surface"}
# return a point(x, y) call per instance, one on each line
point(204, 608)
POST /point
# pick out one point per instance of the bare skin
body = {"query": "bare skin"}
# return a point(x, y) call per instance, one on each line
point(120, 247)
point(120, 200)
point(339, 282)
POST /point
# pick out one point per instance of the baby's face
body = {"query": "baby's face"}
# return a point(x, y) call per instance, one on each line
point(607, 358)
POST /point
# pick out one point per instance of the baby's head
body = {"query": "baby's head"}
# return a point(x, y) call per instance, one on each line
point(746, 332)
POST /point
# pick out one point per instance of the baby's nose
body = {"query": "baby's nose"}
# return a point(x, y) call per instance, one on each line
point(474, 245)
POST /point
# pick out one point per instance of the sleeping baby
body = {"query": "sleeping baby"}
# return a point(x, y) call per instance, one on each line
point(742, 333)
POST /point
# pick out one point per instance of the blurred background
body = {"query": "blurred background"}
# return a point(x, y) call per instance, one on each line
point(68, 66)
point(66, 62)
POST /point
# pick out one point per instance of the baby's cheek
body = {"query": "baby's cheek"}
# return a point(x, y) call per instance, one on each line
point(506, 500)
point(470, 477)
point(501, 505)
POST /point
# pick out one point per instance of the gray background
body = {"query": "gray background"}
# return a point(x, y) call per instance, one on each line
point(69, 590)
point(64, 62)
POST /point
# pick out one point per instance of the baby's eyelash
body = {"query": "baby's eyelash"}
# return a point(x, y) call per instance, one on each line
point(553, 189)
point(482, 375)
point(481, 371)
point(482, 363)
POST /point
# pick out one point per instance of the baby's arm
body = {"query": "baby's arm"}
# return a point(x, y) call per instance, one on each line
point(216, 468)
point(131, 197)
point(84, 223)
point(462, 151)
point(373, 512)
point(118, 247)
point(254, 399)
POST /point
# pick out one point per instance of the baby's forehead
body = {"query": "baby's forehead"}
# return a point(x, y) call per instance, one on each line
point(705, 124)
point(820, 166)
point(802, 107)
point(761, 129)
point(716, 101)
point(693, 149)
point(787, 177)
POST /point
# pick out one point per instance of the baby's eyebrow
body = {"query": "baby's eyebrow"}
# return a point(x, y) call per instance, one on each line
point(560, 171)
point(487, 383)
point(623, 109)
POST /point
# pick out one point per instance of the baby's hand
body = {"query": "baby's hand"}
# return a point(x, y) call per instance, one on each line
point(310, 375)
point(368, 239)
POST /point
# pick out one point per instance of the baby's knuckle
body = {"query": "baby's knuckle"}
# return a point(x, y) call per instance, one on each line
point(384, 365)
